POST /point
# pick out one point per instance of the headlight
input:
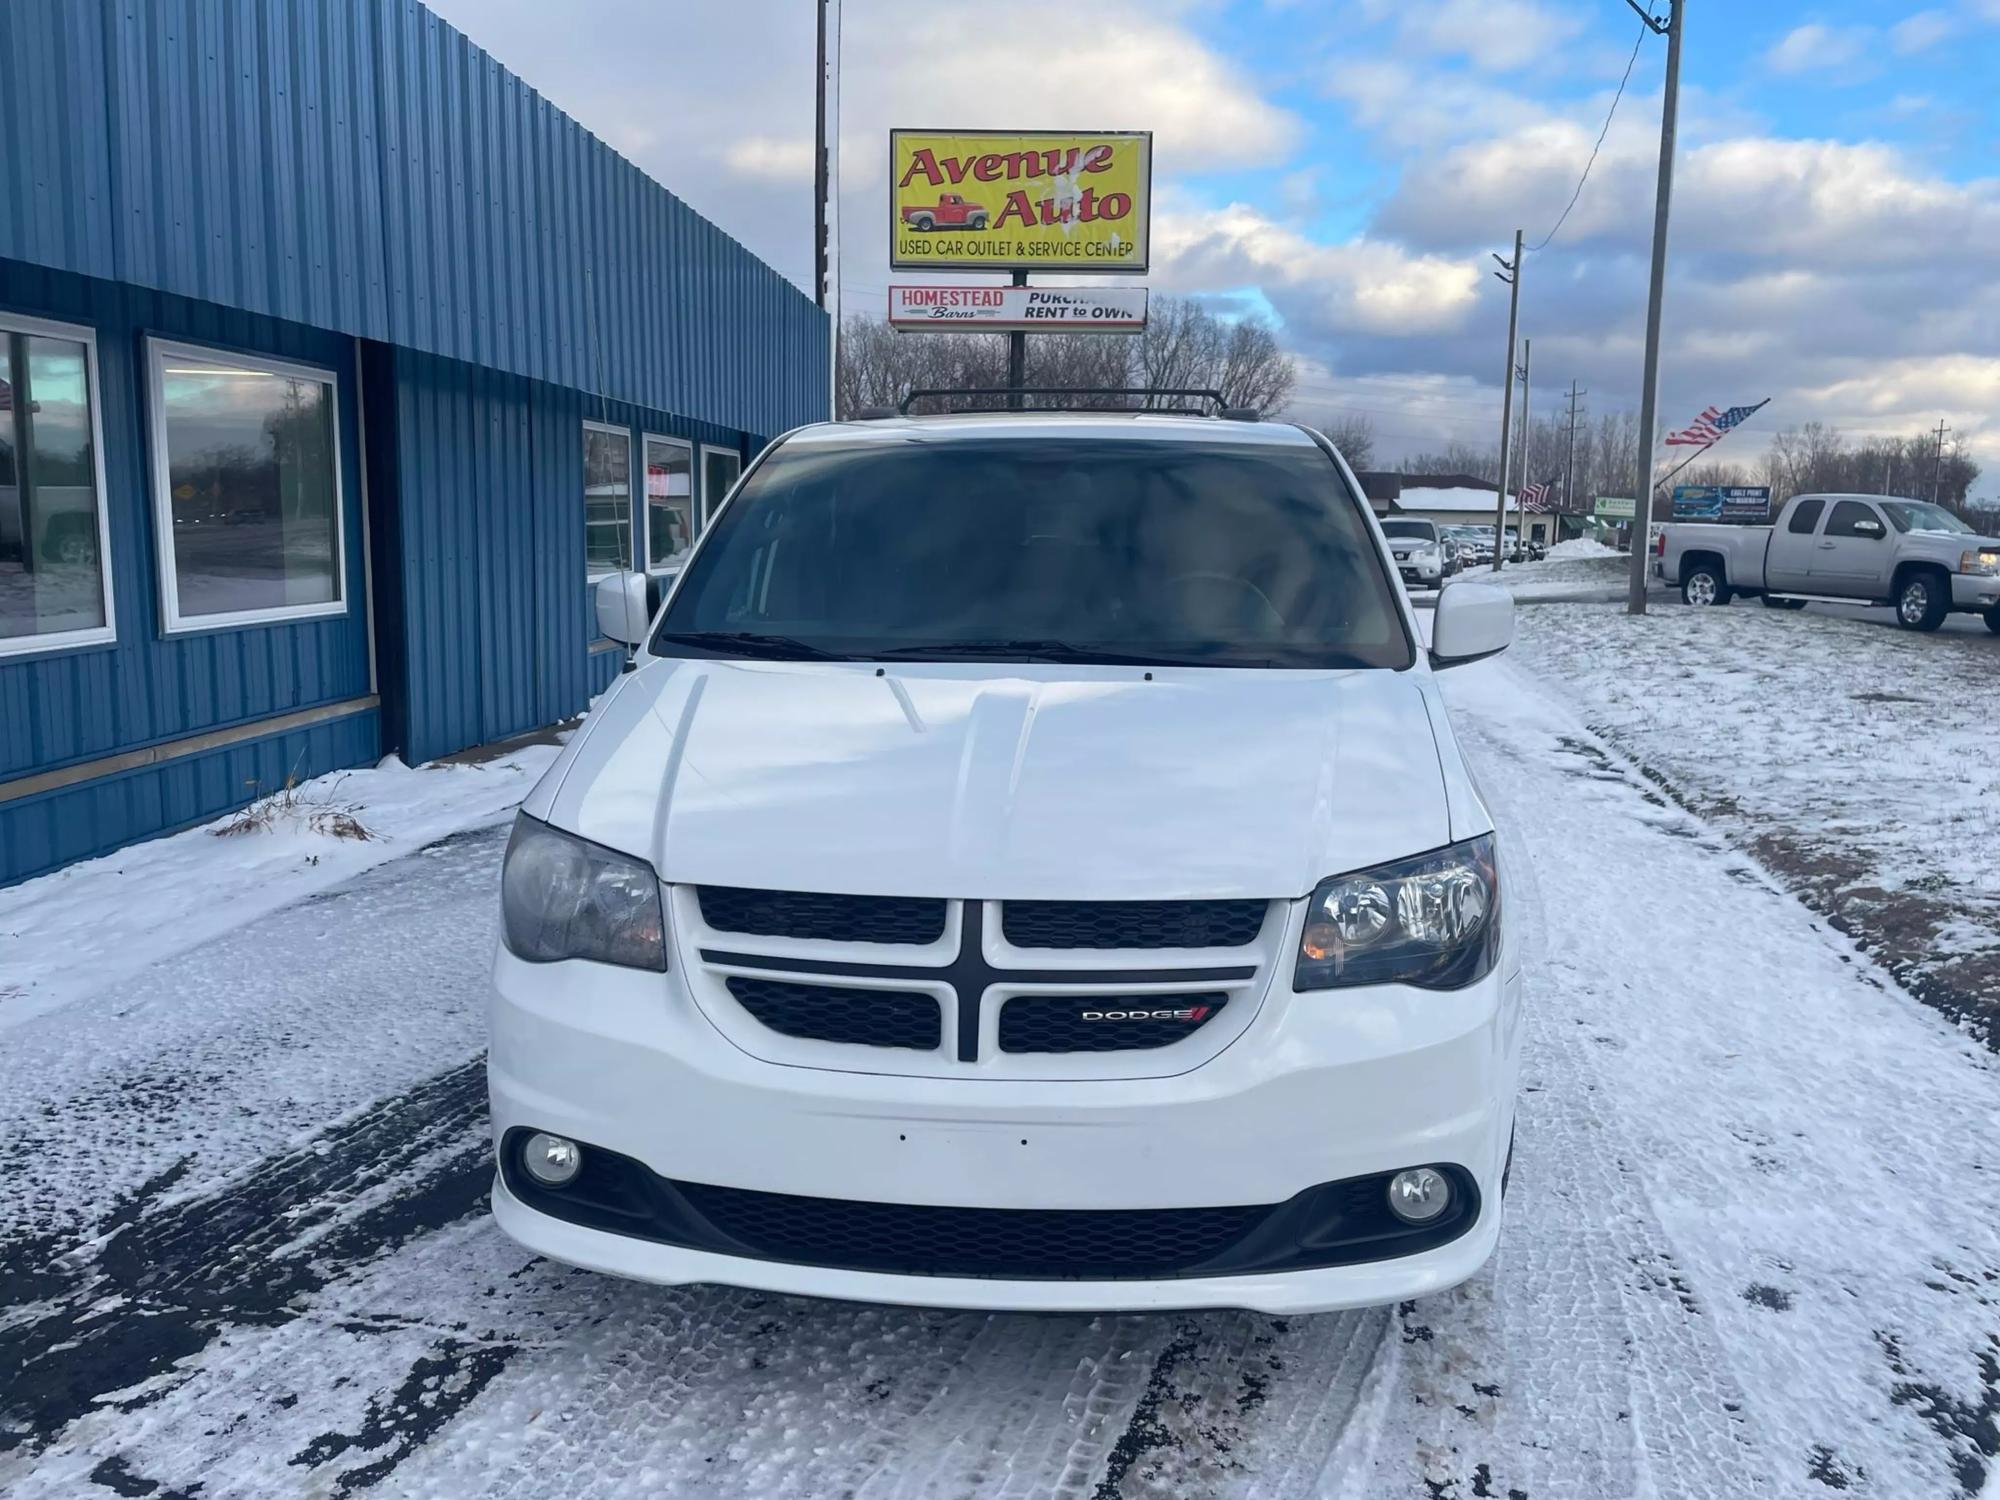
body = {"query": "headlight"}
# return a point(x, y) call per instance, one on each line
point(561, 897)
point(1986, 564)
point(1432, 921)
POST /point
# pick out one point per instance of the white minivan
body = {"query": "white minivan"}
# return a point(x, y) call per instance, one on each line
point(1028, 866)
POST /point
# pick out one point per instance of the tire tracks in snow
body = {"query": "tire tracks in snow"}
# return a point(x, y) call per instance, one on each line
point(115, 1317)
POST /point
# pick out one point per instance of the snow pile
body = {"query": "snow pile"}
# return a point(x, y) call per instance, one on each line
point(136, 906)
point(1578, 548)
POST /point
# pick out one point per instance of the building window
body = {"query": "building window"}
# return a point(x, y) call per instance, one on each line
point(246, 473)
point(55, 581)
point(607, 498)
point(719, 468)
point(670, 523)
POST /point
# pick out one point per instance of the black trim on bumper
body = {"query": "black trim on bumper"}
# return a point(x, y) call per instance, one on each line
point(1335, 1224)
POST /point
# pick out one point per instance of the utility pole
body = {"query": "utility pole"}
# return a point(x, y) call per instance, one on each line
point(1569, 464)
point(1937, 470)
point(826, 179)
point(1510, 272)
point(1527, 423)
point(1649, 399)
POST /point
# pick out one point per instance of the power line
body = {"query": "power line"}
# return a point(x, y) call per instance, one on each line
point(1645, 28)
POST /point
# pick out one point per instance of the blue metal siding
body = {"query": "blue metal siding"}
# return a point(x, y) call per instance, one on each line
point(43, 833)
point(496, 614)
point(148, 688)
point(360, 166)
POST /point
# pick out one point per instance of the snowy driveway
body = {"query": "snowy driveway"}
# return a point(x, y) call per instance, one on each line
point(1753, 1240)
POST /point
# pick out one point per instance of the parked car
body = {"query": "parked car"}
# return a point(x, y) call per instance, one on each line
point(951, 211)
point(1917, 558)
point(1028, 866)
point(1475, 545)
point(1424, 555)
point(1517, 551)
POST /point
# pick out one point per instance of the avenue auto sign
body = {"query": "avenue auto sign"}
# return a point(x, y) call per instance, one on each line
point(1035, 200)
point(1026, 309)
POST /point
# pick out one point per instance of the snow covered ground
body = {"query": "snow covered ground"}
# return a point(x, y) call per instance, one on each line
point(1753, 1238)
point(1855, 760)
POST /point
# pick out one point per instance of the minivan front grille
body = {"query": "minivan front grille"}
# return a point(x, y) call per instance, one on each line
point(1132, 924)
point(821, 916)
point(840, 1013)
point(1102, 1023)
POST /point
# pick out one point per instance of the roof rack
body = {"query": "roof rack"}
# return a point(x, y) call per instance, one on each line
point(1118, 398)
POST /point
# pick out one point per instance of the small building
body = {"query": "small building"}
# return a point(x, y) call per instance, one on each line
point(334, 363)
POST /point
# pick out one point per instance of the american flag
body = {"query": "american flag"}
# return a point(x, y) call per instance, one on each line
point(1711, 425)
point(1536, 496)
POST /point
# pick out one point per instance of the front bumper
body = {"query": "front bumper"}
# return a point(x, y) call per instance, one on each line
point(1975, 591)
point(1319, 1088)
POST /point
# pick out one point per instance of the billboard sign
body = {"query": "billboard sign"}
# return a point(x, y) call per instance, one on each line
point(1740, 504)
point(1025, 200)
point(1031, 309)
point(1615, 508)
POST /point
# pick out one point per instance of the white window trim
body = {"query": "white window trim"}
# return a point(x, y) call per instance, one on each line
point(158, 351)
point(646, 440)
point(708, 513)
point(95, 635)
point(630, 498)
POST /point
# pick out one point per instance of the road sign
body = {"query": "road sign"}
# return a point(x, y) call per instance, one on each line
point(1033, 200)
point(1615, 508)
point(1029, 309)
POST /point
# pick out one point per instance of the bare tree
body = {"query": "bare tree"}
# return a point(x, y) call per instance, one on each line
point(1353, 436)
point(1183, 345)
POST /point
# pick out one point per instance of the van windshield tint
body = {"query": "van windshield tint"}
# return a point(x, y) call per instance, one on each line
point(1027, 549)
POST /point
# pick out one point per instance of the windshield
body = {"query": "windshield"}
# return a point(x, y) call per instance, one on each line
point(1917, 515)
point(1098, 548)
point(1422, 530)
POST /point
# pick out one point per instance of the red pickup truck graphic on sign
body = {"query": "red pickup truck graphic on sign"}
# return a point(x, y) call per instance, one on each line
point(951, 212)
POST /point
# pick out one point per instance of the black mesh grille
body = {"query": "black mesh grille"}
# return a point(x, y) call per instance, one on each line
point(1132, 924)
point(935, 1241)
point(813, 914)
point(1102, 1023)
point(839, 1013)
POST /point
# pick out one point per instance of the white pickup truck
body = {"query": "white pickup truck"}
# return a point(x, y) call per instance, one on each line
point(1918, 558)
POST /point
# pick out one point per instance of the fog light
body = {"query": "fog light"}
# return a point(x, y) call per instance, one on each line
point(1419, 1195)
point(551, 1160)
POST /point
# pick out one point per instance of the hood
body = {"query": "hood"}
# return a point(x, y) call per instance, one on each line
point(1004, 782)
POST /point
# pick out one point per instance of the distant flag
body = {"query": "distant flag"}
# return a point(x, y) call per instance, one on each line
point(1536, 496)
point(1711, 425)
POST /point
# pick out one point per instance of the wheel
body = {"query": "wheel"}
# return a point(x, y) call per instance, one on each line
point(1993, 619)
point(924, 222)
point(1704, 584)
point(1773, 603)
point(1922, 601)
point(976, 223)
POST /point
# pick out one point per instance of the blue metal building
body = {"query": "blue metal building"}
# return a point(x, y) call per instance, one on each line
point(334, 360)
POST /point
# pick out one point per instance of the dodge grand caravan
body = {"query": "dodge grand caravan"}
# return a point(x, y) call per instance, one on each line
point(1028, 866)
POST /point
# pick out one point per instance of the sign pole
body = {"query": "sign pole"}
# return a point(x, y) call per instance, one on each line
point(1512, 276)
point(1017, 356)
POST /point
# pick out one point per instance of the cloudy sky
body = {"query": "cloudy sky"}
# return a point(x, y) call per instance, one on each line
point(1345, 166)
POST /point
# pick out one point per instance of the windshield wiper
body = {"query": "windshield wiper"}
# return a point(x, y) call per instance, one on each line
point(1034, 651)
point(753, 644)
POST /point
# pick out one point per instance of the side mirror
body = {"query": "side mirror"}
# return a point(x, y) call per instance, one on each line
point(1471, 621)
point(621, 608)
point(1868, 528)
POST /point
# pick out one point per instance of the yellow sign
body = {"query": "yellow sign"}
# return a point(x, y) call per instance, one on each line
point(1035, 200)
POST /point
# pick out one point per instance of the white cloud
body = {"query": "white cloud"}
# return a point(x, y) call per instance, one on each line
point(1814, 46)
point(1922, 31)
point(1496, 34)
point(771, 158)
point(1361, 285)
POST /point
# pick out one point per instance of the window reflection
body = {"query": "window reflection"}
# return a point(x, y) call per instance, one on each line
point(252, 486)
point(51, 578)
